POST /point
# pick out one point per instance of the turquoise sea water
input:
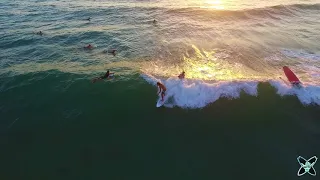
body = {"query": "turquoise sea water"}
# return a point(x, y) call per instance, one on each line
point(235, 116)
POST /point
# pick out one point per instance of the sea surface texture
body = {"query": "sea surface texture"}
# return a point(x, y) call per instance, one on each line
point(234, 116)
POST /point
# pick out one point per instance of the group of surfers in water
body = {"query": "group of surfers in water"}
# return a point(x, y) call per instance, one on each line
point(89, 46)
point(161, 88)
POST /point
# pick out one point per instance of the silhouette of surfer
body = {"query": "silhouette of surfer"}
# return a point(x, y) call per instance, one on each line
point(107, 75)
point(182, 75)
point(162, 90)
point(89, 47)
point(111, 51)
point(39, 33)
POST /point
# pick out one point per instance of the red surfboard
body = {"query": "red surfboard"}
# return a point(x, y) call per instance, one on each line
point(290, 75)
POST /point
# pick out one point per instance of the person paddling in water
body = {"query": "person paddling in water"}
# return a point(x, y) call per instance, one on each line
point(89, 47)
point(39, 33)
point(107, 75)
point(162, 90)
point(182, 75)
point(111, 51)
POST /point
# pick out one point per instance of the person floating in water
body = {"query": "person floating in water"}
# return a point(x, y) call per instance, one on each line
point(89, 47)
point(162, 90)
point(182, 75)
point(89, 19)
point(40, 33)
point(107, 75)
point(154, 21)
point(111, 51)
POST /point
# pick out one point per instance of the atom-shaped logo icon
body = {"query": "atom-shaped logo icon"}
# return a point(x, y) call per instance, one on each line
point(307, 166)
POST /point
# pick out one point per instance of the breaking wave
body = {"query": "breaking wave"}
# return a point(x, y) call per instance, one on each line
point(198, 94)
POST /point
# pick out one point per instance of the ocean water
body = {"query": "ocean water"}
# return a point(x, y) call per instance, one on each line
point(235, 116)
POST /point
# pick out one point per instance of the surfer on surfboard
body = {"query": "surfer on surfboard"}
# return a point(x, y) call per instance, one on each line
point(89, 47)
point(108, 74)
point(162, 90)
point(39, 33)
point(182, 75)
point(111, 51)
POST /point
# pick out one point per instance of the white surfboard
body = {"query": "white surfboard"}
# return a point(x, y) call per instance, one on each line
point(160, 102)
point(111, 75)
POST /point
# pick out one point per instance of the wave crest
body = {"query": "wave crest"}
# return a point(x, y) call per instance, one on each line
point(198, 94)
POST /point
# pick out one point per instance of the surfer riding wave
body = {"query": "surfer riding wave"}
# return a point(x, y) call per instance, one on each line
point(162, 90)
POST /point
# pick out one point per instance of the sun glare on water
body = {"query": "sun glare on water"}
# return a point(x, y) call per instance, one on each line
point(207, 65)
point(213, 4)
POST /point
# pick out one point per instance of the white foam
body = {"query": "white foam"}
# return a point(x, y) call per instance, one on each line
point(197, 93)
point(308, 94)
point(282, 88)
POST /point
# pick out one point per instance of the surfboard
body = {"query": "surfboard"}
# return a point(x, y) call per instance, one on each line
point(292, 78)
point(159, 102)
point(111, 76)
